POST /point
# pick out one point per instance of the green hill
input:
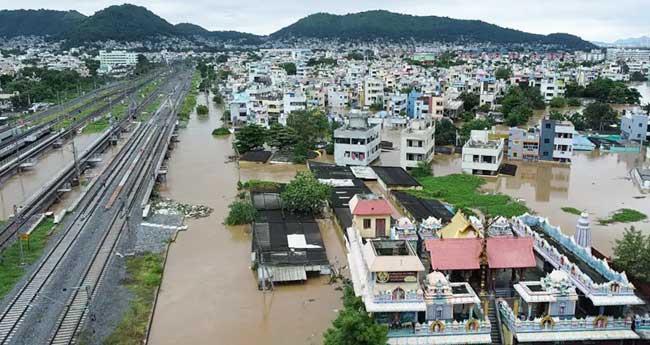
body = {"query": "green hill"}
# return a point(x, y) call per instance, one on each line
point(386, 25)
point(37, 22)
point(121, 23)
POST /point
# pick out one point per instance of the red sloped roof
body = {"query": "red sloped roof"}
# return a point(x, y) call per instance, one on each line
point(372, 207)
point(510, 252)
point(454, 253)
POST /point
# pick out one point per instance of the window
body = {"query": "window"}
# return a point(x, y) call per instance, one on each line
point(366, 223)
point(548, 125)
point(547, 141)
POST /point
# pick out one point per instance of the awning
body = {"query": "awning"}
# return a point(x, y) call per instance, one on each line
point(287, 273)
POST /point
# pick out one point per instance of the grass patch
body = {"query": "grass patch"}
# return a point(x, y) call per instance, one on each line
point(571, 210)
point(462, 192)
point(189, 103)
point(259, 186)
point(11, 270)
point(624, 215)
point(221, 131)
point(144, 276)
point(97, 126)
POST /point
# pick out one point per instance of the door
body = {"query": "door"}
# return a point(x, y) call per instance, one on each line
point(380, 227)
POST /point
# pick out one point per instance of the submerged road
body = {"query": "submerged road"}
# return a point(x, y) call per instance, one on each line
point(51, 304)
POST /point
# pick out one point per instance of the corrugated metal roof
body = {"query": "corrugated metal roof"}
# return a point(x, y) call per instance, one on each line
point(287, 273)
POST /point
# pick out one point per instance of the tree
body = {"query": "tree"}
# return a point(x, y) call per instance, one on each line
point(353, 325)
point(578, 121)
point(557, 102)
point(92, 65)
point(519, 115)
point(202, 109)
point(637, 76)
point(311, 125)
point(377, 106)
point(632, 254)
point(142, 65)
point(222, 58)
point(250, 137)
point(445, 133)
point(289, 67)
point(304, 194)
point(503, 73)
point(556, 115)
point(241, 212)
point(599, 116)
point(470, 100)
point(423, 169)
point(574, 102)
point(476, 124)
point(281, 136)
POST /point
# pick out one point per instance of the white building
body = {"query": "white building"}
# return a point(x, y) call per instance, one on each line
point(357, 143)
point(552, 87)
point(417, 143)
point(373, 91)
point(563, 143)
point(482, 156)
point(292, 101)
point(109, 60)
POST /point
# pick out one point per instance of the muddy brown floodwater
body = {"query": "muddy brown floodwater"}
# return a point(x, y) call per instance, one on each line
point(209, 293)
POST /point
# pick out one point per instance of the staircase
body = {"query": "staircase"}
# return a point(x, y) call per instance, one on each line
point(495, 333)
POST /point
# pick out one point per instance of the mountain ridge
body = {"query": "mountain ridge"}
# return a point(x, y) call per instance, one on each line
point(132, 23)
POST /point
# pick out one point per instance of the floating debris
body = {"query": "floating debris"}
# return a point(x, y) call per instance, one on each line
point(168, 206)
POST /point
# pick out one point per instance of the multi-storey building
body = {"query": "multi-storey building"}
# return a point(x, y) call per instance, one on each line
point(110, 60)
point(523, 144)
point(552, 87)
point(417, 143)
point(482, 156)
point(635, 125)
point(357, 143)
point(556, 140)
point(373, 91)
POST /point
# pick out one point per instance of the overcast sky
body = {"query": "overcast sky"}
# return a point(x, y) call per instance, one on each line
point(601, 20)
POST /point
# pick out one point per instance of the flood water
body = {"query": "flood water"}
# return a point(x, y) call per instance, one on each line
point(209, 293)
point(20, 187)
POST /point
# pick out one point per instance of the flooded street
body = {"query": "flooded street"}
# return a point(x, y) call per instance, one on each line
point(20, 187)
point(209, 293)
point(596, 182)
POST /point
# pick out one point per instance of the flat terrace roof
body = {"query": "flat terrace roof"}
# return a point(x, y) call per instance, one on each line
point(584, 267)
point(395, 177)
point(330, 172)
point(423, 208)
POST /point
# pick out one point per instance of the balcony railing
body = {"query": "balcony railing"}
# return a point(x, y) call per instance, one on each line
point(443, 328)
point(554, 324)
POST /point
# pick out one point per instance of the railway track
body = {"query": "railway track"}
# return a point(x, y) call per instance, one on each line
point(10, 149)
point(125, 174)
point(40, 201)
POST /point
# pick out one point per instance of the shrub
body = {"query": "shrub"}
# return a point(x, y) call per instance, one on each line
point(202, 109)
point(241, 212)
point(221, 131)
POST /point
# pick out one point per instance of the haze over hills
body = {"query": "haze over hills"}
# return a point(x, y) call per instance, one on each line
point(134, 23)
point(638, 42)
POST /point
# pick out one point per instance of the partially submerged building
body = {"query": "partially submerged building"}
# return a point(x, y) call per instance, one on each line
point(357, 143)
point(285, 247)
point(481, 155)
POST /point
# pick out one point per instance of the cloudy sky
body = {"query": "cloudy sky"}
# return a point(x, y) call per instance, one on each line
point(601, 20)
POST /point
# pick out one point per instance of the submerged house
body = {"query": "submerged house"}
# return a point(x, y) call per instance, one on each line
point(285, 247)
